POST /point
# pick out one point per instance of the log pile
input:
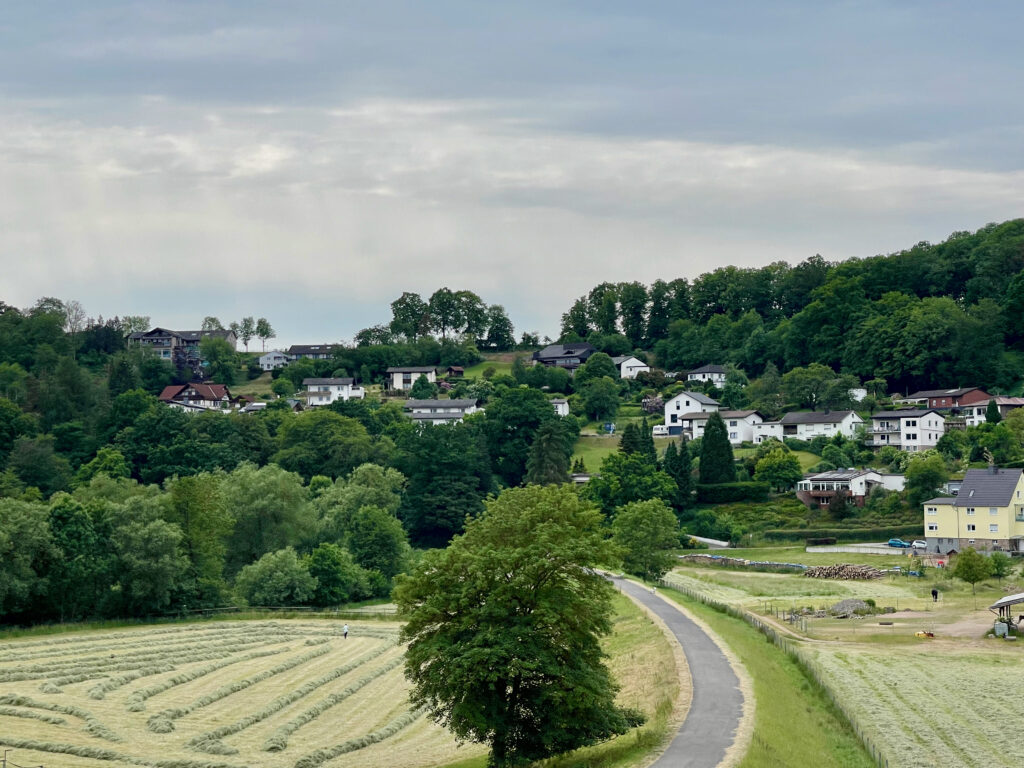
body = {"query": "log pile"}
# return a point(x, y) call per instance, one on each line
point(844, 571)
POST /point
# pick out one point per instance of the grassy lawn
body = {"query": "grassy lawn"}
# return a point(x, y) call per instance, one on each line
point(593, 450)
point(258, 387)
point(796, 554)
point(795, 724)
point(477, 371)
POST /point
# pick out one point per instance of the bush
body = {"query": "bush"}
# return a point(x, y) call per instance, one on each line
point(726, 493)
point(822, 542)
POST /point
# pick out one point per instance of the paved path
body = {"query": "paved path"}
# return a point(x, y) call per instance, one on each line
point(717, 705)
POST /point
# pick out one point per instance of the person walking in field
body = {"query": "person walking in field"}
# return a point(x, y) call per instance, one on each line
point(344, 631)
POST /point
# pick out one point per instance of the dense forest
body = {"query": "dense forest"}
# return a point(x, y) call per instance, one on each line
point(112, 503)
point(943, 315)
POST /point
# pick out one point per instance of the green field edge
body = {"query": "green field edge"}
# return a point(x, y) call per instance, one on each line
point(796, 718)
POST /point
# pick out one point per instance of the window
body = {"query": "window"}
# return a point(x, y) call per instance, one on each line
point(993, 528)
point(971, 527)
point(970, 510)
point(933, 526)
point(912, 436)
point(911, 422)
point(733, 435)
point(993, 510)
point(732, 423)
point(933, 511)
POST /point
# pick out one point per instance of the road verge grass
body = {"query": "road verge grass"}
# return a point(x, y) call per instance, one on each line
point(795, 723)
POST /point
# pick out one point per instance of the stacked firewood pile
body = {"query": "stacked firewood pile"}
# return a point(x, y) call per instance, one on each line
point(843, 571)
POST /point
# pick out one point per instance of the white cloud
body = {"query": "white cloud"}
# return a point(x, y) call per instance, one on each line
point(346, 207)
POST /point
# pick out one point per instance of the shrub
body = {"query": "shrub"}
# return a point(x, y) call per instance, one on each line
point(725, 493)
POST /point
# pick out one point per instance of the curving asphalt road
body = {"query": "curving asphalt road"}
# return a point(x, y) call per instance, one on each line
point(717, 705)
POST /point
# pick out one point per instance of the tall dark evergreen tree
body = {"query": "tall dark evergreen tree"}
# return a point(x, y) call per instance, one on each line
point(630, 440)
point(548, 461)
point(646, 442)
point(678, 466)
point(992, 415)
point(716, 459)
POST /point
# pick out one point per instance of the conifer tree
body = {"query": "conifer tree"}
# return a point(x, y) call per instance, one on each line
point(992, 414)
point(630, 441)
point(646, 443)
point(716, 459)
point(678, 466)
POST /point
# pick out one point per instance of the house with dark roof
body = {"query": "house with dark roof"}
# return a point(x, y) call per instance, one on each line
point(945, 399)
point(439, 411)
point(987, 513)
point(804, 425)
point(403, 377)
point(568, 356)
point(313, 351)
point(713, 373)
point(909, 429)
point(180, 348)
point(977, 414)
point(686, 404)
point(198, 396)
point(326, 391)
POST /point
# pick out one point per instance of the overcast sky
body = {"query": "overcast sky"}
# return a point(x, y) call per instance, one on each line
point(309, 161)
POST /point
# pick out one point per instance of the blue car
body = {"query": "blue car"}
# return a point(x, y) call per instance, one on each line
point(900, 543)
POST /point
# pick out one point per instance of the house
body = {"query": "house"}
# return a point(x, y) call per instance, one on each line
point(196, 397)
point(273, 360)
point(804, 425)
point(739, 424)
point(629, 366)
point(439, 411)
point(987, 513)
point(945, 398)
point(561, 406)
point(404, 378)
point(713, 373)
point(686, 403)
point(908, 430)
point(454, 371)
point(568, 356)
point(181, 348)
point(976, 414)
point(313, 351)
point(327, 391)
point(858, 484)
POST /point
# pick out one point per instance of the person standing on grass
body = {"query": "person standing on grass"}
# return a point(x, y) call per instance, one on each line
point(344, 631)
point(935, 595)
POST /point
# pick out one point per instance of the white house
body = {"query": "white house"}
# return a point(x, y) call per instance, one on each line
point(857, 483)
point(404, 377)
point(686, 403)
point(629, 366)
point(327, 391)
point(273, 360)
point(439, 411)
point(908, 430)
point(561, 406)
point(804, 425)
point(977, 414)
point(713, 373)
point(739, 424)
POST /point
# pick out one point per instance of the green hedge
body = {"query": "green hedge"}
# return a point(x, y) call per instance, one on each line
point(726, 493)
point(846, 534)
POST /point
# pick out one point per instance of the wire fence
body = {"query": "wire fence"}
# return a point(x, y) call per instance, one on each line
point(792, 648)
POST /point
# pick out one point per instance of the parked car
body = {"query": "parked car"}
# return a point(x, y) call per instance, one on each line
point(900, 543)
point(919, 544)
point(660, 430)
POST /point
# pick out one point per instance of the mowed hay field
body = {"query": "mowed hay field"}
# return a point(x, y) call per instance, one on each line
point(257, 693)
point(242, 693)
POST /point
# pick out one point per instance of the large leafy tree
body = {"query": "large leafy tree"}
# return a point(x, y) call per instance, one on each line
point(504, 628)
point(780, 469)
point(409, 316)
point(264, 331)
point(627, 478)
point(647, 532)
point(511, 422)
point(716, 458)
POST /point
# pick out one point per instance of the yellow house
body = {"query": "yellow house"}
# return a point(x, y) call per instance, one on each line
point(987, 513)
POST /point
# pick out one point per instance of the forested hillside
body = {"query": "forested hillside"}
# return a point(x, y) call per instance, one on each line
point(930, 316)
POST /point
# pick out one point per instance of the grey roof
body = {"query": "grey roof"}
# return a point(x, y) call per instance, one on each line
point(314, 382)
point(941, 393)
point(559, 400)
point(187, 335)
point(434, 416)
point(942, 500)
point(906, 413)
point(708, 369)
point(411, 369)
point(620, 359)
point(704, 399)
point(841, 474)
point(700, 415)
point(982, 488)
point(311, 349)
point(556, 351)
point(463, 404)
point(814, 417)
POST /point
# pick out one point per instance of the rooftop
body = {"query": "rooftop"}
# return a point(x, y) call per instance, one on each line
point(815, 417)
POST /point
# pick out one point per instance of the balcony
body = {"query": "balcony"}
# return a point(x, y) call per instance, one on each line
point(883, 429)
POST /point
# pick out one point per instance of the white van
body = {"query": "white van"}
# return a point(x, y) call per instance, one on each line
point(660, 430)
